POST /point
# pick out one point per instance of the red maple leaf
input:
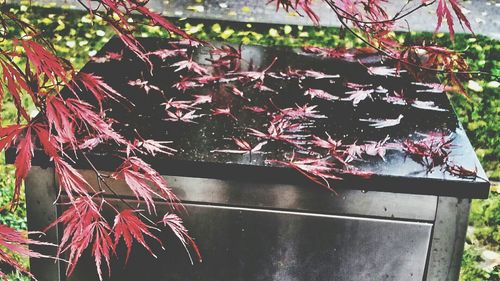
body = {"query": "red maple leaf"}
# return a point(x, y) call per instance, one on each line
point(174, 222)
point(187, 83)
point(299, 112)
point(61, 119)
point(283, 130)
point(168, 53)
point(70, 180)
point(383, 123)
point(153, 147)
point(16, 84)
point(100, 232)
point(45, 62)
point(383, 71)
point(223, 111)
point(99, 88)
point(8, 134)
point(427, 105)
point(442, 11)
point(144, 182)
point(228, 58)
point(328, 52)
point(14, 241)
point(317, 93)
point(331, 145)
point(47, 141)
point(182, 116)
point(179, 104)
point(358, 95)
point(190, 65)
point(82, 224)
point(129, 227)
point(143, 84)
point(157, 19)
point(93, 122)
point(431, 151)
point(318, 170)
point(255, 76)
point(22, 163)
point(461, 171)
point(244, 146)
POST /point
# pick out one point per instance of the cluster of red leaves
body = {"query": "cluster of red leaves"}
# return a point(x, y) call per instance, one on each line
point(85, 226)
point(116, 13)
point(434, 151)
point(228, 58)
point(442, 11)
point(13, 241)
point(376, 28)
point(431, 151)
point(461, 171)
point(338, 53)
point(145, 182)
point(129, 227)
point(303, 74)
point(318, 170)
point(62, 125)
point(322, 169)
point(44, 62)
point(451, 63)
point(290, 126)
point(285, 130)
point(16, 84)
point(98, 88)
point(73, 124)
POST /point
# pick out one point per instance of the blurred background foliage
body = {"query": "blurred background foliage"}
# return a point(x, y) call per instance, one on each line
point(77, 36)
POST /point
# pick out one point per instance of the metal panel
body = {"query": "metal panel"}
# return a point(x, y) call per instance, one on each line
point(293, 197)
point(243, 244)
point(448, 239)
point(41, 211)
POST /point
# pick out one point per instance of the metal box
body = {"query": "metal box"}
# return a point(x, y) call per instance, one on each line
point(255, 221)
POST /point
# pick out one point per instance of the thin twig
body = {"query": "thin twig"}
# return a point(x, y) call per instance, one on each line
point(101, 178)
point(388, 54)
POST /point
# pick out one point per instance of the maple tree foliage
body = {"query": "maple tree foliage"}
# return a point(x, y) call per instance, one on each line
point(65, 127)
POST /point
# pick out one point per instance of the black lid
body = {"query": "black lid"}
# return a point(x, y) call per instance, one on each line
point(196, 142)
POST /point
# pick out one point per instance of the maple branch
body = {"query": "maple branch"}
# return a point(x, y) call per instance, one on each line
point(395, 18)
point(26, 26)
point(100, 178)
point(388, 54)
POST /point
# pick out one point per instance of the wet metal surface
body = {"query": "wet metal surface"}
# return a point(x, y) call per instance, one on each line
point(304, 198)
point(197, 141)
point(246, 244)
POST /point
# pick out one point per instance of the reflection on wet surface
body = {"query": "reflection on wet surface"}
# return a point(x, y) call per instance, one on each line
point(354, 100)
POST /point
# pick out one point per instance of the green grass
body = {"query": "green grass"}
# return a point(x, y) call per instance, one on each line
point(77, 37)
